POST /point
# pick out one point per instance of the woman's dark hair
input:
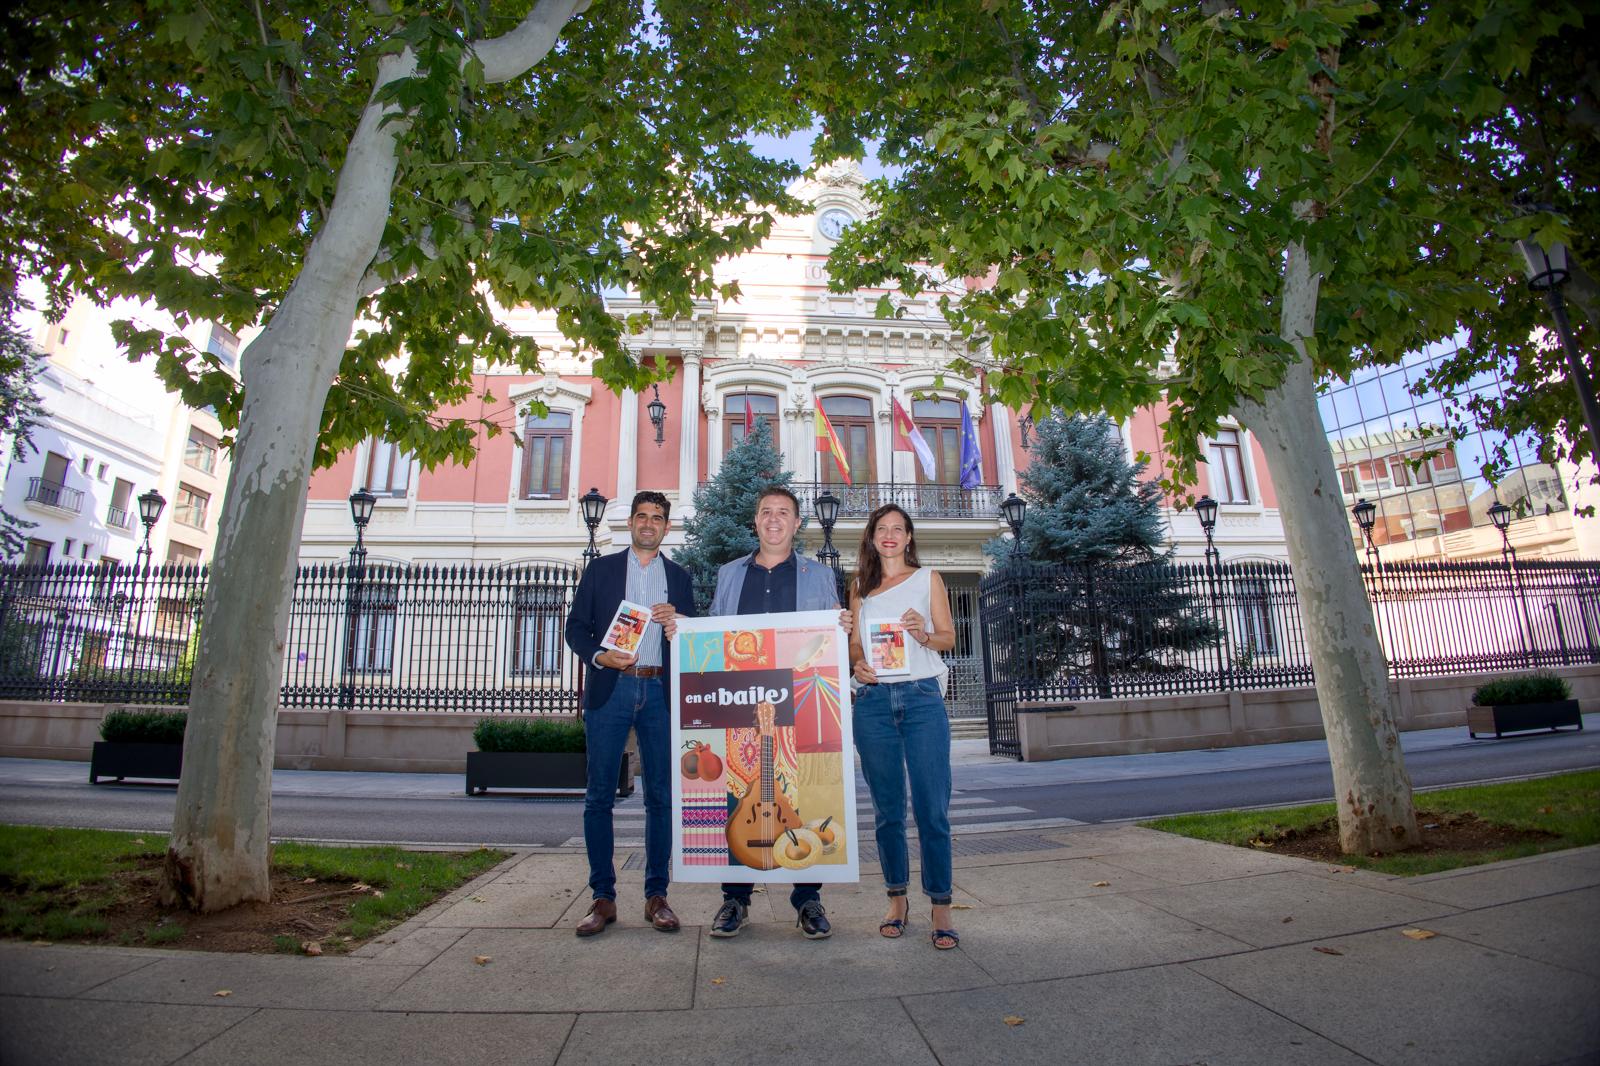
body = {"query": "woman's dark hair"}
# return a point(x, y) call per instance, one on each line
point(869, 566)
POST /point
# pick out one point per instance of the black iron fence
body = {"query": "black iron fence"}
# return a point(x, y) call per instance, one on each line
point(378, 637)
point(489, 638)
point(1067, 634)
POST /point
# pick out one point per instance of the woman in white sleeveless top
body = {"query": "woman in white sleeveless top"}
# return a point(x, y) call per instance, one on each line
point(900, 721)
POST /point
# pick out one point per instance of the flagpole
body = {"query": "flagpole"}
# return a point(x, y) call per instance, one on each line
point(893, 429)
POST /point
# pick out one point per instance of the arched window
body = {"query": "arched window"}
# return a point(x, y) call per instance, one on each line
point(851, 418)
point(761, 405)
point(940, 423)
point(546, 455)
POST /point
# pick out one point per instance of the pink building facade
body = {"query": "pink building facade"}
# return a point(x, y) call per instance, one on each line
point(785, 346)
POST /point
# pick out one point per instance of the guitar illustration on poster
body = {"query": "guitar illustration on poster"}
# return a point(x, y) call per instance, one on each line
point(764, 699)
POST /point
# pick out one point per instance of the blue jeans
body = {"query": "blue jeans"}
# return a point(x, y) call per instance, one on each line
point(902, 727)
point(639, 703)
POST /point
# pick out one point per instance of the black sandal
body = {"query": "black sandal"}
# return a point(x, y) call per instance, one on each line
point(945, 939)
point(892, 928)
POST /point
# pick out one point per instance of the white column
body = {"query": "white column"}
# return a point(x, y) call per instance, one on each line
point(1005, 462)
point(628, 450)
point(689, 428)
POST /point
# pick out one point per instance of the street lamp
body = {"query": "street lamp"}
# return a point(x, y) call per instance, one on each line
point(1501, 516)
point(826, 507)
point(151, 504)
point(1366, 515)
point(1014, 509)
point(361, 504)
point(658, 413)
point(1548, 271)
point(594, 509)
point(1206, 509)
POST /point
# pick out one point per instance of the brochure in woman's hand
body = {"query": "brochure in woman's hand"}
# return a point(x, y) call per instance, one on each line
point(627, 628)
point(886, 647)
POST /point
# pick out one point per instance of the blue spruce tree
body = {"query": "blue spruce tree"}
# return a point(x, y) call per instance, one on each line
point(1115, 604)
point(723, 526)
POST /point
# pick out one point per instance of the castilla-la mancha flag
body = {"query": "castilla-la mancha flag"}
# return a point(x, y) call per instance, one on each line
point(828, 441)
point(908, 438)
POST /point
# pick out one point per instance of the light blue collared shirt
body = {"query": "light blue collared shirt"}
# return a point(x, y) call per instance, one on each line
point(647, 585)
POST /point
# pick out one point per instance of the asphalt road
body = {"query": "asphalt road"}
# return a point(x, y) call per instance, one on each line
point(355, 807)
point(1276, 786)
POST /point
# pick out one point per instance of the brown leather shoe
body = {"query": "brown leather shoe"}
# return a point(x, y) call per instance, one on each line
point(602, 912)
point(658, 914)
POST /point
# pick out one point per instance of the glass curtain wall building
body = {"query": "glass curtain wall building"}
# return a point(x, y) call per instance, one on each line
point(1396, 449)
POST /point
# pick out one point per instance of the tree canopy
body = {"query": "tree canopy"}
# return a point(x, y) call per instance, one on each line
point(190, 153)
point(1129, 176)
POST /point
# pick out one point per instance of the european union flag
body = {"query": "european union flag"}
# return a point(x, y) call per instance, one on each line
point(971, 457)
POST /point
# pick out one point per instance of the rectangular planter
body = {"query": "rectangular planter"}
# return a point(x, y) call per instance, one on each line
point(1521, 717)
point(121, 759)
point(536, 770)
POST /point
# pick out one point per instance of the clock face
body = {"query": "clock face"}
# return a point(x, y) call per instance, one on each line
point(834, 222)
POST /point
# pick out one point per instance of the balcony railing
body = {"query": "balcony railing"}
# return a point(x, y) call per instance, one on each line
point(54, 494)
point(119, 518)
point(919, 501)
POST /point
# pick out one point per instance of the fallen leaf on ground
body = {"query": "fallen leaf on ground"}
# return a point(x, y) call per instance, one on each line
point(140, 840)
point(1261, 844)
point(223, 993)
point(961, 906)
point(476, 899)
point(1013, 1020)
point(377, 893)
point(311, 947)
point(1329, 951)
point(1287, 920)
point(1101, 884)
point(482, 960)
point(1341, 869)
point(402, 866)
point(719, 980)
point(309, 881)
point(41, 943)
point(1419, 934)
point(361, 886)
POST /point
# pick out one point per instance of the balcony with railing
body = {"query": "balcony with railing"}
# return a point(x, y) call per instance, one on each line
point(119, 518)
point(919, 501)
point(54, 495)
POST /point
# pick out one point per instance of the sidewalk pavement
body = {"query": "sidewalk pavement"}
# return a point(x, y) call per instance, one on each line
point(1099, 945)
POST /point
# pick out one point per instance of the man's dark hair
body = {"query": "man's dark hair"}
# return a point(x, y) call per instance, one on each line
point(779, 490)
point(659, 499)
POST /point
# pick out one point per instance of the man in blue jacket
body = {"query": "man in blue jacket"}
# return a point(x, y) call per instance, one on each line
point(629, 692)
point(774, 580)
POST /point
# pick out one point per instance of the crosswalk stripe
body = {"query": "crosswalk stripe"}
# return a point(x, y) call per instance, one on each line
point(1024, 823)
point(984, 812)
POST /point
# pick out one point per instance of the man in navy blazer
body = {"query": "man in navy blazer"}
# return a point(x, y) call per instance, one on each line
point(626, 692)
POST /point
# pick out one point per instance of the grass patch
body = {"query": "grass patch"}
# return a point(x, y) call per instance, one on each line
point(96, 885)
point(1473, 825)
point(408, 880)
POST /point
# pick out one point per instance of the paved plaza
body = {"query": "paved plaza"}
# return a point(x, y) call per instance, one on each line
point(1096, 945)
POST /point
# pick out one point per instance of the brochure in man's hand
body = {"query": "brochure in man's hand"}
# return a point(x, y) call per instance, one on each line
point(627, 628)
point(886, 647)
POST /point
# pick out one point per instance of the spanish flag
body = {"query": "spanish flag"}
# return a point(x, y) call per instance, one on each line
point(828, 441)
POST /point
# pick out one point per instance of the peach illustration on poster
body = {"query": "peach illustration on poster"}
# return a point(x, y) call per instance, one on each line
point(765, 700)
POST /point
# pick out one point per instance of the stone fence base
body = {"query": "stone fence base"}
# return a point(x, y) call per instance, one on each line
point(1056, 730)
point(404, 741)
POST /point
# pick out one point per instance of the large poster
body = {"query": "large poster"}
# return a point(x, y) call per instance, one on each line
point(764, 789)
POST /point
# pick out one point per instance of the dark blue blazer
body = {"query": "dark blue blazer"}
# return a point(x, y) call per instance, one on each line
point(604, 585)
